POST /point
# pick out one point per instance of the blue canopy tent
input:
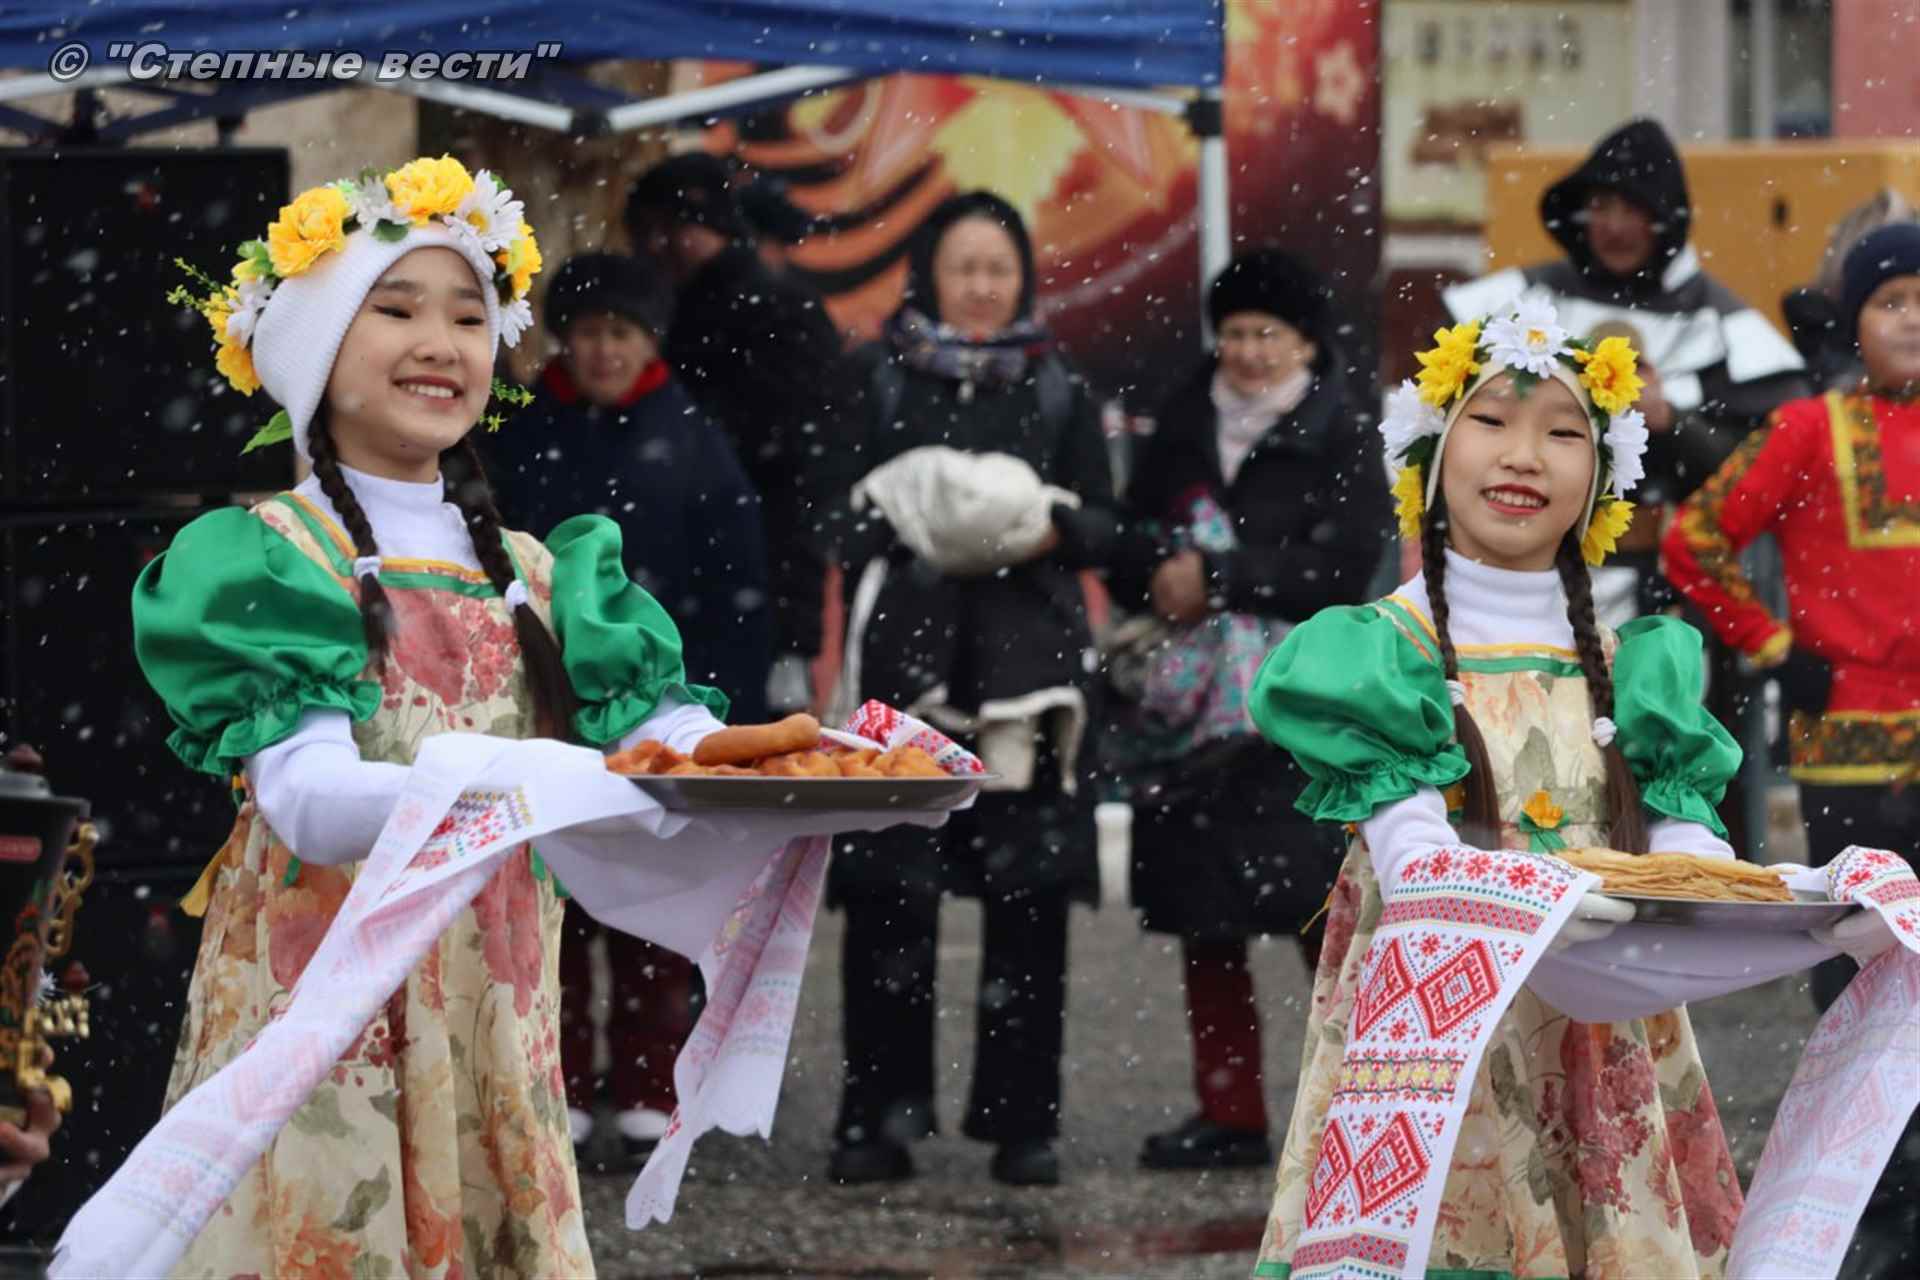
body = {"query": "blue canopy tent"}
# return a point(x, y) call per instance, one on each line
point(1129, 54)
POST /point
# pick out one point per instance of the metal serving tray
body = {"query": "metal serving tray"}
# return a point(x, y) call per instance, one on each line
point(693, 793)
point(1807, 911)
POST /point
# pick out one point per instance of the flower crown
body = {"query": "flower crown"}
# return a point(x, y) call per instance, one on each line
point(1530, 344)
point(384, 204)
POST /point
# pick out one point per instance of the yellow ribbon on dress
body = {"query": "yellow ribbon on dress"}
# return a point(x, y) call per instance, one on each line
point(195, 903)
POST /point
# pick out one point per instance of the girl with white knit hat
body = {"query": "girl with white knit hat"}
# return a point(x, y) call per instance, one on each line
point(1500, 1076)
point(307, 646)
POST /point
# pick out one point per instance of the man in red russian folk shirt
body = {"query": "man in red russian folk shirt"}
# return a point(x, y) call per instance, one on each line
point(1836, 480)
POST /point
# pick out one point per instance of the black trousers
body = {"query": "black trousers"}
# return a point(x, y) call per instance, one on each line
point(887, 976)
point(1887, 1244)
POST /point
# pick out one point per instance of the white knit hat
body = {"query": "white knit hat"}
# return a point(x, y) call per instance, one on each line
point(294, 293)
point(300, 330)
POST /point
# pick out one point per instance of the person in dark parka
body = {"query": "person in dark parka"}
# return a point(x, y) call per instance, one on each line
point(1623, 218)
point(759, 353)
point(1258, 501)
point(611, 431)
point(1001, 660)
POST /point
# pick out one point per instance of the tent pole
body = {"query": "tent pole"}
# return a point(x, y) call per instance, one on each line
point(695, 103)
point(1213, 208)
point(473, 97)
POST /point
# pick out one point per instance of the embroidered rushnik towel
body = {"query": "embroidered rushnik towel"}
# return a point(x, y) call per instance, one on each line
point(737, 892)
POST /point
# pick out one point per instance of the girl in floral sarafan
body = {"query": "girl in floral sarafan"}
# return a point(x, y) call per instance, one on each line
point(306, 647)
point(1480, 706)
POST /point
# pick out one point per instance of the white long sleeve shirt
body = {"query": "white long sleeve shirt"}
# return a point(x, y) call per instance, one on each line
point(313, 788)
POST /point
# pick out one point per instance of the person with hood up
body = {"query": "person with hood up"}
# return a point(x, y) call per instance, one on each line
point(1256, 503)
point(759, 353)
point(612, 432)
point(976, 492)
point(1623, 218)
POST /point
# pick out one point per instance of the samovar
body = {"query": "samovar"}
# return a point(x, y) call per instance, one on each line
point(46, 863)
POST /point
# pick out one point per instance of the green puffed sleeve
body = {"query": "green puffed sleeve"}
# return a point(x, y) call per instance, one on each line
point(619, 647)
point(1679, 754)
point(239, 632)
point(1364, 712)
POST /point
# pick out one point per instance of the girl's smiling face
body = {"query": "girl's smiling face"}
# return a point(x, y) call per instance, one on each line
point(415, 369)
point(1516, 473)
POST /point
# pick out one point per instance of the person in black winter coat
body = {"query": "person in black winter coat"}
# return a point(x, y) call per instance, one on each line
point(759, 353)
point(1258, 501)
point(1003, 660)
point(610, 431)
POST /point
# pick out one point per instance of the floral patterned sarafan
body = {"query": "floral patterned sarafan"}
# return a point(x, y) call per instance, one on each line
point(1587, 1149)
point(438, 1146)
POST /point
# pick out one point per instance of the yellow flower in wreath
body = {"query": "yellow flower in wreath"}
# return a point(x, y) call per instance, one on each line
point(1610, 521)
point(1446, 369)
point(217, 310)
point(1410, 501)
point(521, 260)
point(236, 362)
point(313, 224)
point(427, 188)
point(1610, 374)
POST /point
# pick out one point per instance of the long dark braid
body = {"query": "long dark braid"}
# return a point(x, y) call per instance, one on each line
point(376, 613)
point(1481, 817)
point(1627, 818)
point(554, 702)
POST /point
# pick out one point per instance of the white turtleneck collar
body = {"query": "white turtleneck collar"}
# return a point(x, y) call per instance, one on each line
point(1486, 605)
point(409, 518)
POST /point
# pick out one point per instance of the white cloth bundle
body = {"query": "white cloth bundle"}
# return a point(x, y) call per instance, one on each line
point(966, 514)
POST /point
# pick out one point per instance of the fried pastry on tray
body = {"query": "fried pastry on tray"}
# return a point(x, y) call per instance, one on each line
point(1680, 875)
point(652, 758)
point(648, 757)
point(800, 764)
point(909, 762)
point(745, 743)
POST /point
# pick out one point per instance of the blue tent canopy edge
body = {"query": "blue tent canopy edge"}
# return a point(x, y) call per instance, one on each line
point(1140, 44)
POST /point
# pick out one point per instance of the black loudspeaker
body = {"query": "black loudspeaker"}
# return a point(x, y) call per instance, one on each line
point(71, 688)
point(108, 392)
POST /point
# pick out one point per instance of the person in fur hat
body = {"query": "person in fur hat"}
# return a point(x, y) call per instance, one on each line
point(1257, 502)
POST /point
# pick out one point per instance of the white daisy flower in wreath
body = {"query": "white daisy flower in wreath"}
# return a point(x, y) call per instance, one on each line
point(516, 318)
point(1407, 419)
point(492, 212)
point(250, 300)
point(370, 202)
point(1531, 338)
point(1626, 440)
